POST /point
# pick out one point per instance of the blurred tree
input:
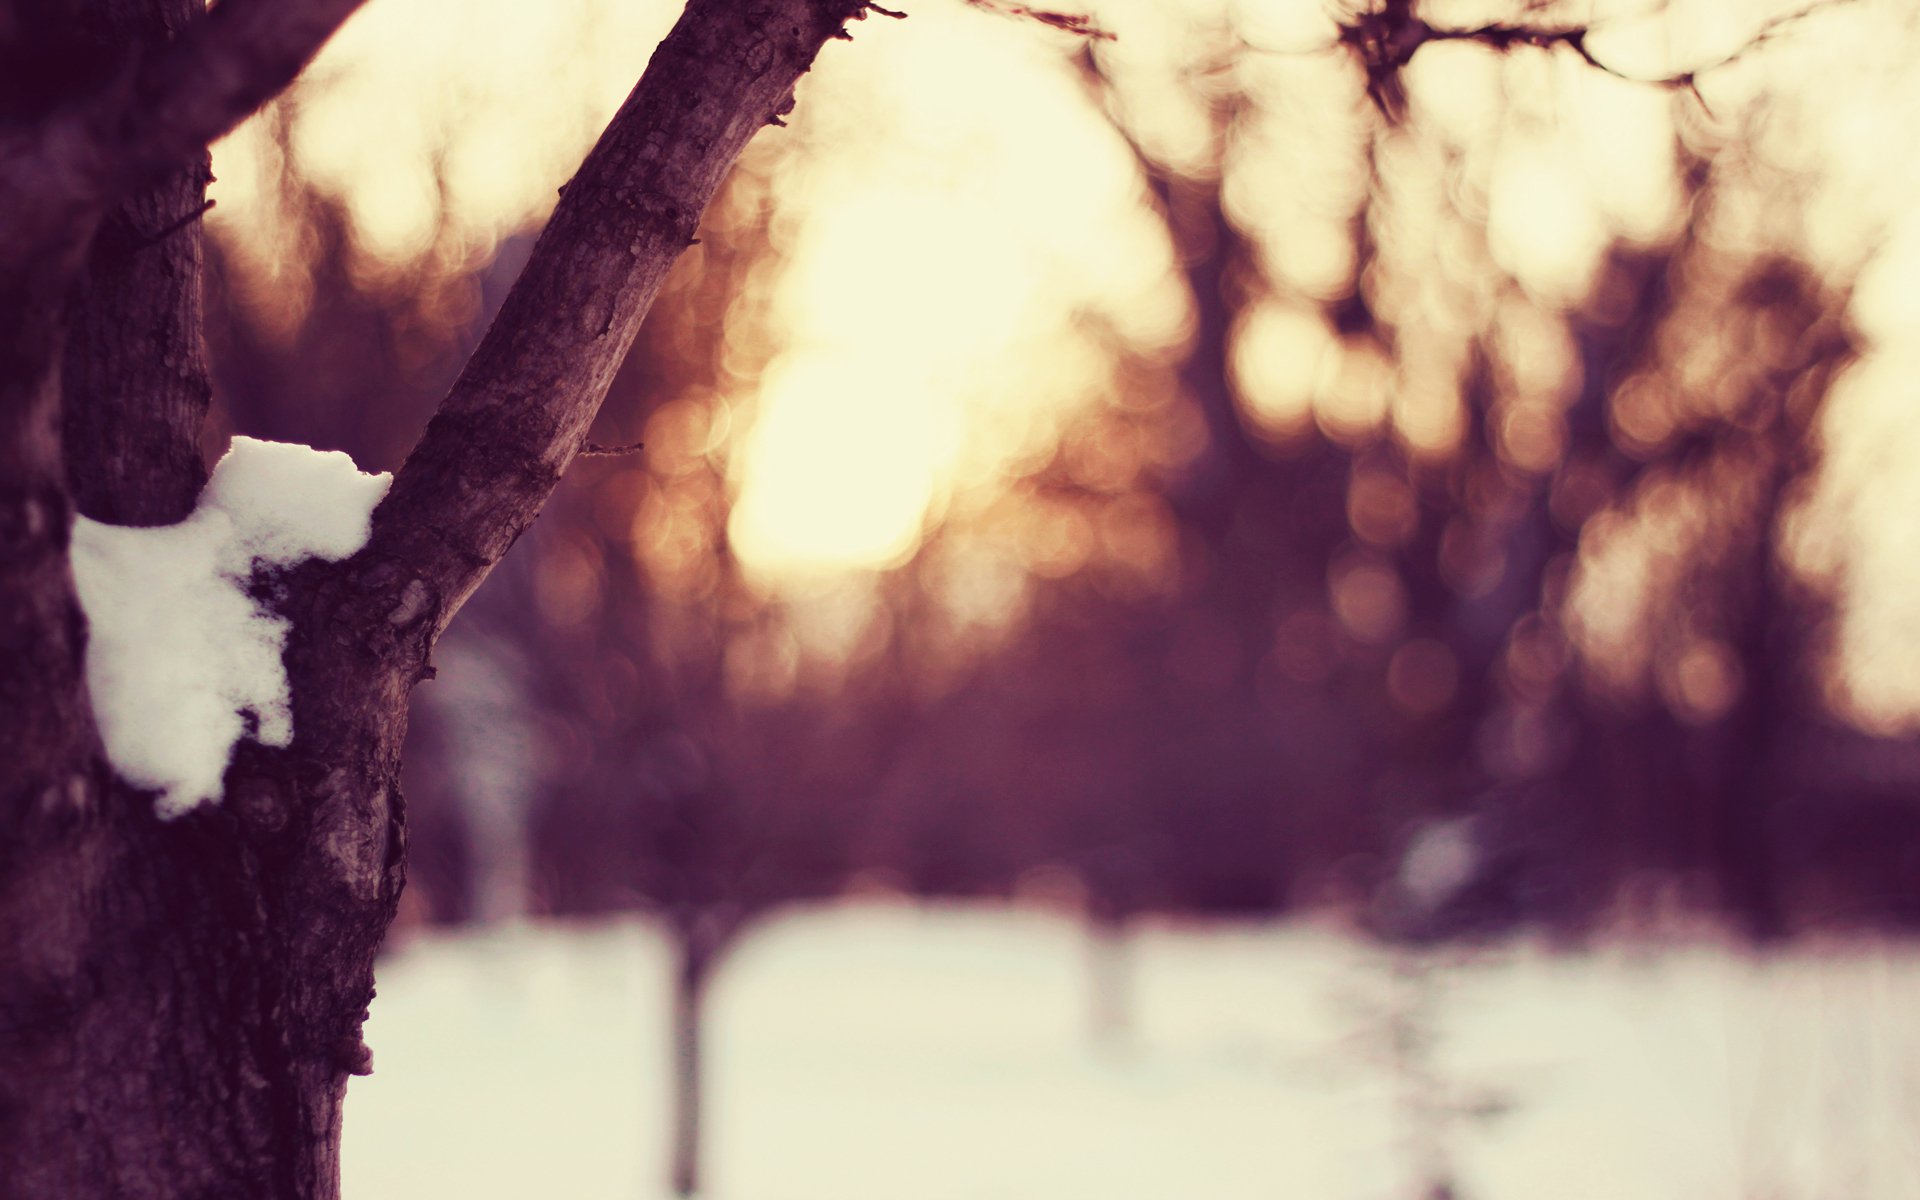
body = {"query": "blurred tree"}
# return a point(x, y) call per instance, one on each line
point(1420, 598)
point(701, 771)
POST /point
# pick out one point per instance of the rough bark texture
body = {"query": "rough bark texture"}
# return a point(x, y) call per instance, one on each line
point(44, 722)
point(135, 385)
point(134, 375)
point(181, 1002)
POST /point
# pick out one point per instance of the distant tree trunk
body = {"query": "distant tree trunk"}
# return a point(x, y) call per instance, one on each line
point(1110, 977)
point(699, 938)
point(181, 1000)
point(1745, 796)
point(1774, 617)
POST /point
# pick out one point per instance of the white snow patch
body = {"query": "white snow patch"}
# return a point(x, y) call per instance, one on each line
point(1441, 860)
point(180, 658)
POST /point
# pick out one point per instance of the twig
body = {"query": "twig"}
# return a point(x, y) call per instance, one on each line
point(597, 450)
point(1386, 39)
point(173, 227)
point(1075, 23)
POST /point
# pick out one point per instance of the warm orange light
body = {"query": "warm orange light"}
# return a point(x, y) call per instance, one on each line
point(962, 260)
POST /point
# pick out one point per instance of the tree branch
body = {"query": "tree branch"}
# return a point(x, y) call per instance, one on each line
point(520, 410)
point(1076, 23)
point(58, 175)
point(596, 450)
point(130, 418)
point(1386, 39)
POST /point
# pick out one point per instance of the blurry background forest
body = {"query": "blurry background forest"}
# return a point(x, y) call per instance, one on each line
point(1183, 476)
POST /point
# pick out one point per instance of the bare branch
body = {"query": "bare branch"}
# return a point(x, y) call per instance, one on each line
point(64, 170)
point(599, 450)
point(174, 226)
point(520, 411)
point(1075, 23)
point(243, 54)
point(1384, 40)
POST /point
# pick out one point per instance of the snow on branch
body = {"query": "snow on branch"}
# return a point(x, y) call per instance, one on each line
point(183, 657)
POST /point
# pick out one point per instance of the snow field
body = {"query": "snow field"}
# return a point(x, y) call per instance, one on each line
point(898, 1053)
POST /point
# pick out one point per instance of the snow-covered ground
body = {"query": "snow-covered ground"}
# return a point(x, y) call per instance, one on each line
point(880, 1052)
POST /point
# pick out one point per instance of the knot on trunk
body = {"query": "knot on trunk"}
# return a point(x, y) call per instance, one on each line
point(34, 522)
point(352, 1055)
point(350, 830)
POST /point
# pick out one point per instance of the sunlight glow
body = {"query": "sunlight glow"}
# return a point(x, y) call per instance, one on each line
point(953, 233)
point(840, 469)
point(960, 226)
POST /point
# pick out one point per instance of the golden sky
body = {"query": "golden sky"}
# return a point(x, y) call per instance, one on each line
point(962, 206)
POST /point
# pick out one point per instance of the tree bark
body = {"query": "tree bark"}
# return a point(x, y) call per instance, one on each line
point(181, 1001)
point(130, 418)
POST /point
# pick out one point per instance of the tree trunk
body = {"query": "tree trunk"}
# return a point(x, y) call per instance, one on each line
point(181, 1001)
point(1744, 797)
point(696, 949)
point(1110, 980)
